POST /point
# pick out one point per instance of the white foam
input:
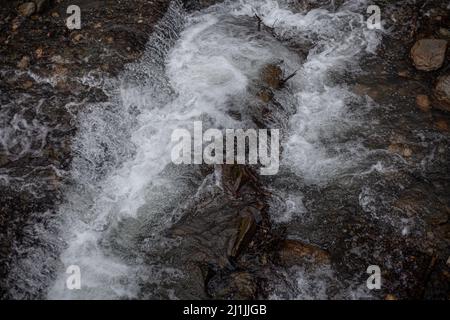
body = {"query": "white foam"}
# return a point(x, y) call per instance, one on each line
point(341, 38)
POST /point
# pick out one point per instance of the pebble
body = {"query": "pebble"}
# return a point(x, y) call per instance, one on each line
point(24, 62)
point(423, 102)
point(429, 54)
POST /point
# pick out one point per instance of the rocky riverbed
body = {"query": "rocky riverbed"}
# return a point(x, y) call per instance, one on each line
point(86, 179)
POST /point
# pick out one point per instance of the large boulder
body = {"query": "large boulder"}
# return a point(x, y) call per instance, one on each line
point(429, 54)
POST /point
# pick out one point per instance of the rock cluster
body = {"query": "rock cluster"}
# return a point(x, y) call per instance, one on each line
point(429, 55)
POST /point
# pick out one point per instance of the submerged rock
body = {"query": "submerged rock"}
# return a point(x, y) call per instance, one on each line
point(247, 228)
point(239, 285)
point(272, 76)
point(294, 252)
point(429, 54)
point(400, 149)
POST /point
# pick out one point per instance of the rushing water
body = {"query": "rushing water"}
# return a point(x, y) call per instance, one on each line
point(199, 66)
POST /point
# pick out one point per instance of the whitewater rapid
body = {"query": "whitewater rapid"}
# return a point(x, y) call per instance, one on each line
point(198, 66)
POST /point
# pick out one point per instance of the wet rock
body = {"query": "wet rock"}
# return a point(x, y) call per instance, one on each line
point(42, 5)
point(404, 74)
point(60, 71)
point(24, 62)
point(429, 54)
point(27, 84)
point(237, 285)
point(16, 24)
point(442, 125)
point(265, 95)
point(272, 76)
point(27, 9)
point(401, 149)
point(234, 177)
point(3, 159)
point(442, 93)
point(363, 90)
point(245, 232)
point(423, 102)
point(294, 252)
point(419, 203)
point(77, 37)
point(198, 4)
point(39, 53)
point(307, 5)
point(444, 32)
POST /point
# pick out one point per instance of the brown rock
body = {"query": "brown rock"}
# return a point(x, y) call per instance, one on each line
point(27, 84)
point(404, 74)
point(445, 32)
point(17, 21)
point(24, 62)
point(39, 53)
point(423, 102)
point(295, 252)
point(3, 159)
point(400, 149)
point(265, 95)
point(429, 54)
point(60, 71)
point(27, 9)
point(272, 76)
point(442, 93)
point(363, 90)
point(442, 125)
point(246, 231)
point(78, 37)
point(240, 285)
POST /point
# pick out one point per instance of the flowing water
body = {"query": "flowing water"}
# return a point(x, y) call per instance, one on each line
point(125, 192)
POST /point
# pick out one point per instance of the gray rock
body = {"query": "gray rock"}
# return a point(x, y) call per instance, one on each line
point(429, 54)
